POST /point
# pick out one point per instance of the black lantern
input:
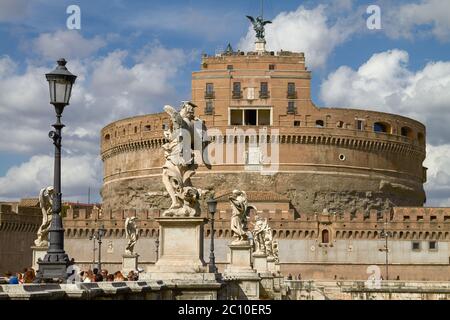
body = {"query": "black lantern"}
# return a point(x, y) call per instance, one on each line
point(60, 83)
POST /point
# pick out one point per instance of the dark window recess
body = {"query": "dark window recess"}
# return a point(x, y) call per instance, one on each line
point(360, 125)
point(291, 109)
point(291, 94)
point(250, 117)
point(325, 236)
point(230, 67)
point(416, 245)
point(296, 123)
point(319, 124)
point(237, 94)
point(264, 90)
point(147, 127)
point(209, 109)
point(209, 93)
point(381, 127)
point(419, 218)
point(433, 218)
point(271, 67)
point(432, 245)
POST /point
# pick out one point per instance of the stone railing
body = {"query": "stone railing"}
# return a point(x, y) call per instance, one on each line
point(367, 290)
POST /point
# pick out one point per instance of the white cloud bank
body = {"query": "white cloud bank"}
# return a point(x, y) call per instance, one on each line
point(108, 88)
point(384, 83)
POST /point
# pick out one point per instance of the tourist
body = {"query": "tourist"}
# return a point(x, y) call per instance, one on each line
point(104, 274)
point(98, 277)
point(110, 277)
point(118, 276)
point(12, 279)
point(289, 277)
point(29, 276)
point(299, 277)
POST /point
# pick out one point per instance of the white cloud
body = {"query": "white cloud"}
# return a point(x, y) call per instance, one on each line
point(107, 89)
point(26, 179)
point(425, 17)
point(384, 83)
point(438, 184)
point(307, 30)
point(69, 44)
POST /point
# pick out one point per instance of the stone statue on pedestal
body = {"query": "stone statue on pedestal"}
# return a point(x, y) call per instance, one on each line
point(263, 238)
point(46, 203)
point(131, 234)
point(240, 212)
point(186, 134)
point(258, 26)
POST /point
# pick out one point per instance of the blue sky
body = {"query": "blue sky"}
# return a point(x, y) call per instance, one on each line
point(145, 51)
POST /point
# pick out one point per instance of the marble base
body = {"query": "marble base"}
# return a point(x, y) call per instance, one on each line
point(38, 253)
point(260, 262)
point(181, 246)
point(242, 280)
point(271, 264)
point(129, 263)
point(260, 46)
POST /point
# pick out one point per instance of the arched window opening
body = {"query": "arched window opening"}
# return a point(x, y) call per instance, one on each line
point(325, 236)
point(382, 127)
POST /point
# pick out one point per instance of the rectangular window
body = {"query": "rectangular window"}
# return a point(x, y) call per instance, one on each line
point(236, 117)
point(405, 218)
point(237, 90)
point(292, 109)
point(271, 67)
point(296, 123)
point(419, 218)
point(433, 218)
point(446, 218)
point(209, 93)
point(209, 109)
point(264, 90)
point(264, 117)
point(291, 88)
point(416, 246)
point(250, 117)
point(230, 67)
point(432, 245)
point(360, 125)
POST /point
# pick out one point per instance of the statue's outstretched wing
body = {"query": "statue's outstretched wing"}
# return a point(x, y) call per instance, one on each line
point(41, 197)
point(266, 22)
point(251, 19)
point(170, 110)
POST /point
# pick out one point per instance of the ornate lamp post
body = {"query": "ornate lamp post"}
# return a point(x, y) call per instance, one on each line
point(157, 246)
point(100, 234)
point(93, 238)
point(56, 261)
point(212, 206)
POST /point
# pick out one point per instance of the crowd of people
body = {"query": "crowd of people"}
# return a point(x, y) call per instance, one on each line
point(28, 275)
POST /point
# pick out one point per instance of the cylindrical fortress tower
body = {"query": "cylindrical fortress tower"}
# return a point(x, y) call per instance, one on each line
point(334, 158)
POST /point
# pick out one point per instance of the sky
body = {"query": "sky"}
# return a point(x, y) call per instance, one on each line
point(133, 57)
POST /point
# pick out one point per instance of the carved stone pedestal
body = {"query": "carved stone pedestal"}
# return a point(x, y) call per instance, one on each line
point(180, 264)
point(129, 263)
point(243, 281)
point(260, 46)
point(180, 246)
point(38, 253)
point(271, 264)
point(260, 262)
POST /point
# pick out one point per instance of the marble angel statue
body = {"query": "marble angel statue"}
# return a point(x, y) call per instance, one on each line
point(46, 203)
point(186, 134)
point(131, 234)
point(240, 213)
point(263, 238)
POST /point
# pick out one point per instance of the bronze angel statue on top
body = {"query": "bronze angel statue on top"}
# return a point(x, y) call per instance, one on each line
point(258, 26)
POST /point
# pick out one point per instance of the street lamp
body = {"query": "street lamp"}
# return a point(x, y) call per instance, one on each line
point(157, 246)
point(93, 237)
point(55, 262)
point(386, 234)
point(212, 206)
point(100, 234)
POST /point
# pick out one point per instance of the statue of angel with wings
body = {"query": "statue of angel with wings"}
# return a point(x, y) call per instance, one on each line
point(131, 234)
point(240, 213)
point(46, 203)
point(258, 26)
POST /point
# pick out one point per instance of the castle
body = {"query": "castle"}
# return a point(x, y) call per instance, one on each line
point(339, 181)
